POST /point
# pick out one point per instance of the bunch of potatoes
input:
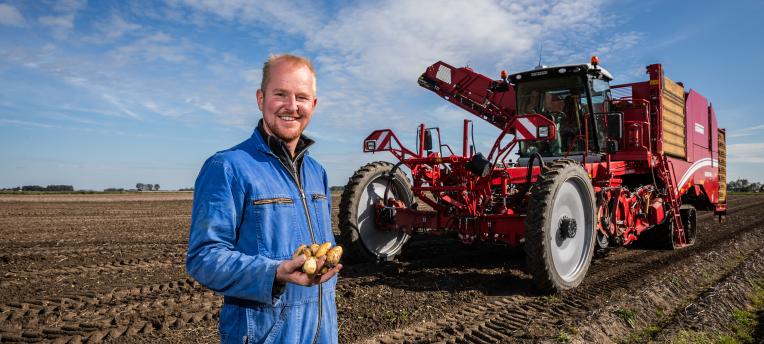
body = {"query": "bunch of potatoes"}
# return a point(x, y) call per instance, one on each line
point(315, 251)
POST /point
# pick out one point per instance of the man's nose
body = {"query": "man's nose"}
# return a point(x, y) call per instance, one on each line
point(291, 103)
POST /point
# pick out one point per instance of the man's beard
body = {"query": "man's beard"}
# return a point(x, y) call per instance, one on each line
point(285, 136)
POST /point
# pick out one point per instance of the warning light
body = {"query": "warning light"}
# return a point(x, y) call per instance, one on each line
point(595, 60)
point(543, 131)
point(370, 146)
point(504, 74)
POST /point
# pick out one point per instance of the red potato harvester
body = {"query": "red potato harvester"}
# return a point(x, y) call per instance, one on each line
point(597, 165)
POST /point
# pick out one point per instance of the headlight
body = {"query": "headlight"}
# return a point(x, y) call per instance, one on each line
point(543, 131)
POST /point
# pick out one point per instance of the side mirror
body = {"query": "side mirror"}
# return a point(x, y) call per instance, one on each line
point(614, 125)
point(427, 140)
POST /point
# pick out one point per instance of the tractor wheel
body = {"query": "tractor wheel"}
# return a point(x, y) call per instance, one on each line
point(603, 216)
point(661, 236)
point(560, 227)
point(603, 241)
point(689, 220)
point(359, 234)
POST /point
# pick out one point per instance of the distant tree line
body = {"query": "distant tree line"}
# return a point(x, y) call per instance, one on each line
point(41, 188)
point(743, 185)
point(147, 187)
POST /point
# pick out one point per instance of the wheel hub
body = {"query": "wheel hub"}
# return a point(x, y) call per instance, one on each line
point(568, 227)
point(387, 215)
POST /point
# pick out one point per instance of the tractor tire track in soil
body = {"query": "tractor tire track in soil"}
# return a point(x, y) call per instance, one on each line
point(97, 317)
point(97, 277)
point(646, 279)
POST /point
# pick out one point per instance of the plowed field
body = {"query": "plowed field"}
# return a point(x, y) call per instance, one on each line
point(109, 268)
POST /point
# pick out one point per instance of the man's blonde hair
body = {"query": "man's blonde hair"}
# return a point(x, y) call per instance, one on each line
point(287, 58)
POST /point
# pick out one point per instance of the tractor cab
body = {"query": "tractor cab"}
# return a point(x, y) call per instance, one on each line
point(574, 97)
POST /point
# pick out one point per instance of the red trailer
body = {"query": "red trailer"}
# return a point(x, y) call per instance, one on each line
point(596, 165)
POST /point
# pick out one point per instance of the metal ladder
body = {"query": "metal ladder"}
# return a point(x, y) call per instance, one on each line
point(667, 171)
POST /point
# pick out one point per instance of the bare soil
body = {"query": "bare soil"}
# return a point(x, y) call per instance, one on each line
point(109, 268)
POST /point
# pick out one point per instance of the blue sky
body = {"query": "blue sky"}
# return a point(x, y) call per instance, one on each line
point(111, 93)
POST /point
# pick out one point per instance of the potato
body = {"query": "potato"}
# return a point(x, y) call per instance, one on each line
point(323, 249)
point(299, 251)
point(334, 255)
point(314, 249)
point(324, 269)
point(309, 267)
point(307, 252)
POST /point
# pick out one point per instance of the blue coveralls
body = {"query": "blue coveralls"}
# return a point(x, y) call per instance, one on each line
point(249, 214)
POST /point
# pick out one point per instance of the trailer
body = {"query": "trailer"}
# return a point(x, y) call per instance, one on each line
point(578, 164)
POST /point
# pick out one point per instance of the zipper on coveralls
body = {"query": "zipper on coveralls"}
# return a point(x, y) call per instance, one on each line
point(296, 177)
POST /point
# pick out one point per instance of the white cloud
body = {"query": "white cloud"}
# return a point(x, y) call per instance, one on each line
point(157, 46)
point(392, 42)
point(120, 105)
point(205, 105)
point(746, 153)
point(10, 16)
point(15, 122)
point(736, 135)
point(253, 77)
point(618, 43)
point(291, 17)
point(743, 132)
point(370, 54)
point(63, 21)
point(69, 5)
point(115, 27)
point(755, 127)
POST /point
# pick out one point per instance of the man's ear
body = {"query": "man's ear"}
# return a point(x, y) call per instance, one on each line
point(315, 102)
point(260, 99)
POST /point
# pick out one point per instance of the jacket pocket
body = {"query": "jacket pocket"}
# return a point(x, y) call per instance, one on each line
point(323, 216)
point(233, 324)
point(274, 221)
point(277, 200)
point(267, 325)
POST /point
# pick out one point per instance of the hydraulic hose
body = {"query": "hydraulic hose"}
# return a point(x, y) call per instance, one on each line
point(530, 166)
point(529, 176)
point(391, 176)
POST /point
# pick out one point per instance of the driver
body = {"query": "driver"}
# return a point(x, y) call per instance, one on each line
point(532, 107)
point(570, 124)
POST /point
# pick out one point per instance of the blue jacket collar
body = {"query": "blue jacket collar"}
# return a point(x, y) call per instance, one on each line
point(261, 142)
point(258, 141)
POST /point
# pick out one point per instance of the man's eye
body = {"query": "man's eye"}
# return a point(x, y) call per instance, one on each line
point(303, 98)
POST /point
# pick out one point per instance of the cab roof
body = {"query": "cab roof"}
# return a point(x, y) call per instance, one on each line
point(545, 72)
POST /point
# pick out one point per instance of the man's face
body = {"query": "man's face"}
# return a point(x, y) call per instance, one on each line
point(288, 101)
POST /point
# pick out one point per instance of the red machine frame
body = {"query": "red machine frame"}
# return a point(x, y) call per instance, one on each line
point(492, 207)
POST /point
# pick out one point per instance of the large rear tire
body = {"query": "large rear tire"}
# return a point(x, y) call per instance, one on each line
point(689, 221)
point(560, 227)
point(359, 234)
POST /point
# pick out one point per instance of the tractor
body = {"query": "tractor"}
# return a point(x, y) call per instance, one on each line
point(578, 164)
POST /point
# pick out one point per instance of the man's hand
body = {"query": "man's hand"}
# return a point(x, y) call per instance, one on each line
point(290, 271)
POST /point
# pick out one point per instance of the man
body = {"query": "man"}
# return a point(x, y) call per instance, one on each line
point(254, 205)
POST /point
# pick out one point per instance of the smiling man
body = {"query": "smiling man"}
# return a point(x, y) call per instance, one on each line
point(254, 204)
